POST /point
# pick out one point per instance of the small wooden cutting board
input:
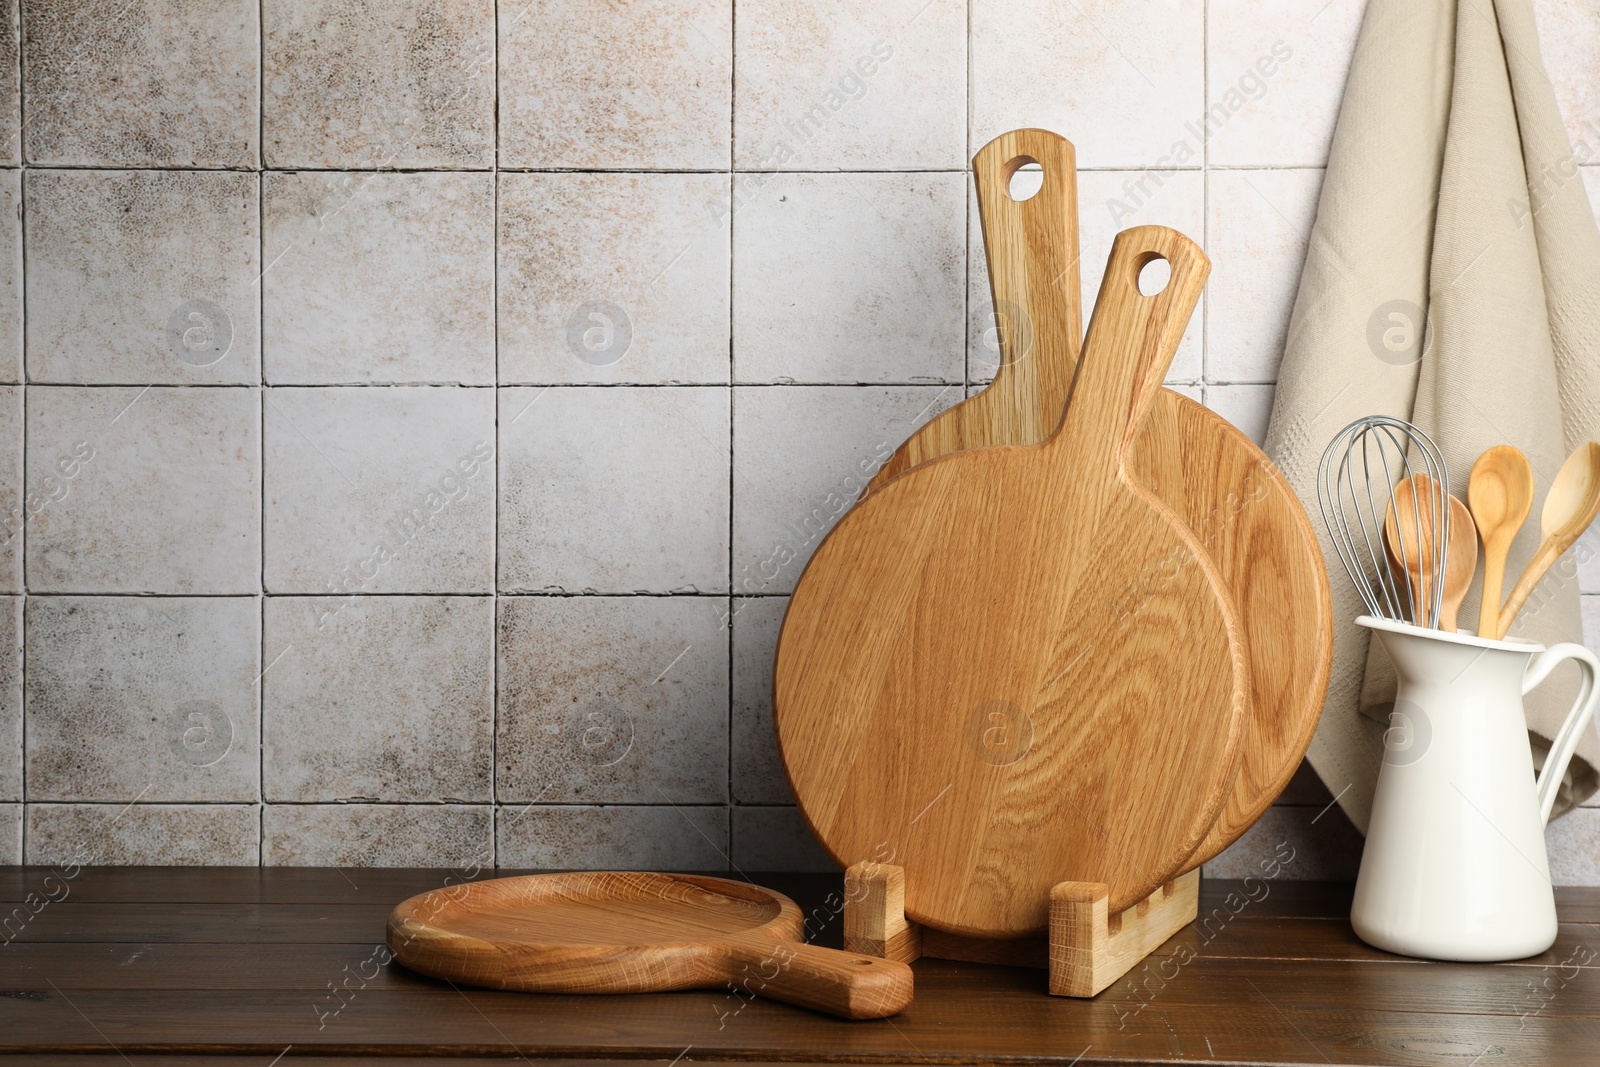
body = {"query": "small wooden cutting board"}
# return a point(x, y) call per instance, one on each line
point(635, 932)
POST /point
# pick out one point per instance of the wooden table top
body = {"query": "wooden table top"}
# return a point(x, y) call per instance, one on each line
point(198, 966)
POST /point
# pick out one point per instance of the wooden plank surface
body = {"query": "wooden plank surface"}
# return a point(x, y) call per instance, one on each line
point(963, 1013)
point(1282, 982)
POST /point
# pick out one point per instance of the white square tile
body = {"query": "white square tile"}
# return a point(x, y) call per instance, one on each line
point(10, 700)
point(10, 275)
point(379, 699)
point(1249, 407)
point(1258, 227)
point(10, 88)
point(1119, 79)
point(158, 835)
point(776, 839)
point(617, 837)
point(376, 835)
point(651, 90)
point(13, 519)
point(849, 278)
point(825, 84)
point(383, 83)
point(1108, 203)
point(164, 83)
point(380, 490)
point(1591, 621)
point(613, 278)
point(619, 490)
point(151, 698)
point(757, 767)
point(136, 277)
point(802, 455)
point(147, 490)
point(1587, 551)
point(613, 700)
point(385, 278)
point(10, 833)
point(1569, 44)
point(1276, 74)
point(1573, 845)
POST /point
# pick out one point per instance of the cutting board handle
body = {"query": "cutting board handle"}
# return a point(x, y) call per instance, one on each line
point(1037, 301)
point(847, 984)
point(1132, 339)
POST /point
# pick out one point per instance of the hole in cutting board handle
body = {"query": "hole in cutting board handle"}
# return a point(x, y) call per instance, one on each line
point(1154, 275)
point(1024, 178)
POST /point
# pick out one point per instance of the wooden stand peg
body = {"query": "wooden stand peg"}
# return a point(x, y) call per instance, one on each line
point(1087, 948)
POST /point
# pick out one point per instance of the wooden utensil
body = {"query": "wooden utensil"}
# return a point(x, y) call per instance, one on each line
point(1032, 247)
point(1409, 535)
point(607, 932)
point(1038, 592)
point(1500, 494)
point(1225, 488)
point(1569, 508)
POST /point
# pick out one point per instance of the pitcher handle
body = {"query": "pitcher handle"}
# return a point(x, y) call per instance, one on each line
point(1566, 742)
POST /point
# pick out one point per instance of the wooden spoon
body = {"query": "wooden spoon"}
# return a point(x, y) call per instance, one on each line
point(1570, 507)
point(1500, 492)
point(1410, 525)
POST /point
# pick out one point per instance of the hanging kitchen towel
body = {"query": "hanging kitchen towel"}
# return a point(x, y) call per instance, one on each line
point(1453, 279)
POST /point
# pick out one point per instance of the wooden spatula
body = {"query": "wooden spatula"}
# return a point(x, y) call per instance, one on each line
point(613, 932)
point(1569, 508)
point(1041, 584)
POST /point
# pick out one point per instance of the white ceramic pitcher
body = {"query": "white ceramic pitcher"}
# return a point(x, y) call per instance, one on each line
point(1455, 865)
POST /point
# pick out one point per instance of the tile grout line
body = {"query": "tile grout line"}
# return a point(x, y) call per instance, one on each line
point(733, 148)
point(494, 539)
point(1129, 166)
point(22, 490)
point(261, 425)
point(1205, 192)
point(966, 219)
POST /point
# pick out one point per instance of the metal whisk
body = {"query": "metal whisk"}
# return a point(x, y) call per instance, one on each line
point(1356, 490)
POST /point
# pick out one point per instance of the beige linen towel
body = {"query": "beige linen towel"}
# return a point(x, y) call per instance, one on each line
point(1453, 279)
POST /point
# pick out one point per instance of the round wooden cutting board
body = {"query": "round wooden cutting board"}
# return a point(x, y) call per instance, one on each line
point(637, 932)
point(1230, 495)
point(1013, 666)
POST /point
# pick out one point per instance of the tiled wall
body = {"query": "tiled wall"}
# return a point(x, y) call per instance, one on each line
point(495, 320)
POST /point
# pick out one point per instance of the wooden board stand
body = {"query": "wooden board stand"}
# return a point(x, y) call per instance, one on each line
point(1087, 948)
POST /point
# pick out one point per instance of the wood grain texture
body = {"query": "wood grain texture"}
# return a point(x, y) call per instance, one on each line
point(1500, 494)
point(1226, 489)
point(1258, 535)
point(1569, 507)
point(1279, 979)
point(1091, 947)
point(1086, 948)
point(977, 668)
point(875, 913)
point(1037, 302)
point(618, 932)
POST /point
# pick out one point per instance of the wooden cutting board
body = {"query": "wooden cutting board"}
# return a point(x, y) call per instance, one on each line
point(613, 932)
point(1229, 493)
point(1036, 243)
point(1038, 591)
